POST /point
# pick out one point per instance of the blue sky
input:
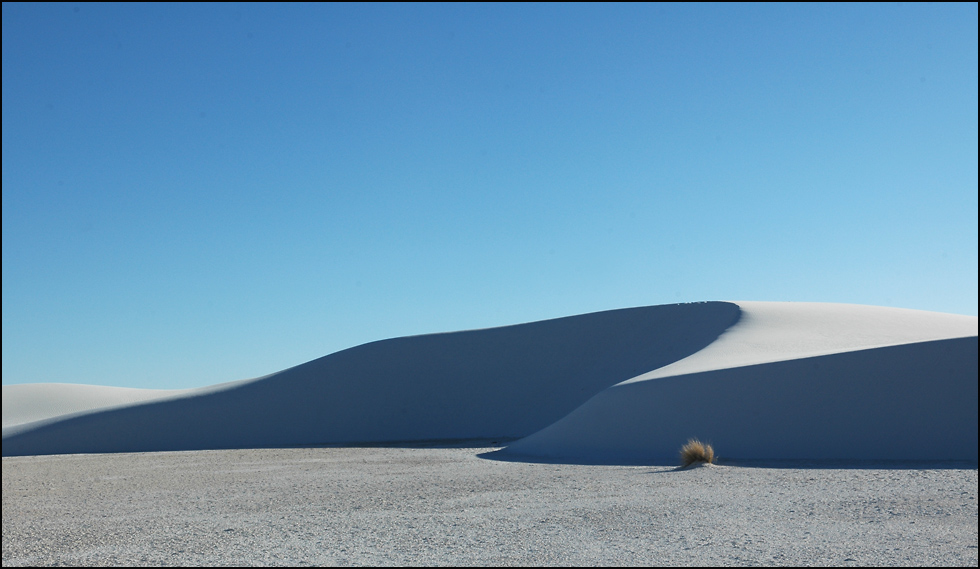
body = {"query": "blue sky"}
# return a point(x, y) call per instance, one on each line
point(201, 193)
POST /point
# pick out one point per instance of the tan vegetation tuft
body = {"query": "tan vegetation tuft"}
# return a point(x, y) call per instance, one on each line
point(696, 451)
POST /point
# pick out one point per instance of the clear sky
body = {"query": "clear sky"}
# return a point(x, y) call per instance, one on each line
point(201, 193)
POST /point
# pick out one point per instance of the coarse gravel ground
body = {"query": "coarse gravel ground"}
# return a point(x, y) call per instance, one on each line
point(448, 506)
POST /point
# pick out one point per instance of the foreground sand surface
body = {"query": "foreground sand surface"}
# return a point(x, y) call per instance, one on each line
point(448, 506)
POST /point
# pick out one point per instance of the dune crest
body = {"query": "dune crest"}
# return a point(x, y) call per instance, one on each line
point(769, 332)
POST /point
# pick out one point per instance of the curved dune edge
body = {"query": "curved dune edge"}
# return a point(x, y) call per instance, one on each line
point(790, 381)
point(503, 382)
point(770, 332)
point(906, 402)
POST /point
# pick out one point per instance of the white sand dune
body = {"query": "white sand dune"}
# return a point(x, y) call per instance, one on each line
point(757, 379)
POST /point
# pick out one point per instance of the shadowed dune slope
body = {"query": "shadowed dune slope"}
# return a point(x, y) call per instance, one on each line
point(503, 382)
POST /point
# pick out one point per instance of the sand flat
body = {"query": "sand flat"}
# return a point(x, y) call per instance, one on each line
point(447, 506)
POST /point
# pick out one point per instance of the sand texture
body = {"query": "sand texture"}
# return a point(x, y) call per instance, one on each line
point(448, 506)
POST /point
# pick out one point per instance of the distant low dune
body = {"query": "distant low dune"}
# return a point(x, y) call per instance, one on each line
point(757, 379)
point(30, 402)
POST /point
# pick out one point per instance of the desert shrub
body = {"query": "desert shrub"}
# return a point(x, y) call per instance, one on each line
point(696, 451)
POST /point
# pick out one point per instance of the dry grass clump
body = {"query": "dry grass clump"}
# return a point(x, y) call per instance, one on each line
point(696, 451)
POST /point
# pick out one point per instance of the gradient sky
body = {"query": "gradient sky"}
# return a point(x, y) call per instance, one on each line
point(202, 193)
